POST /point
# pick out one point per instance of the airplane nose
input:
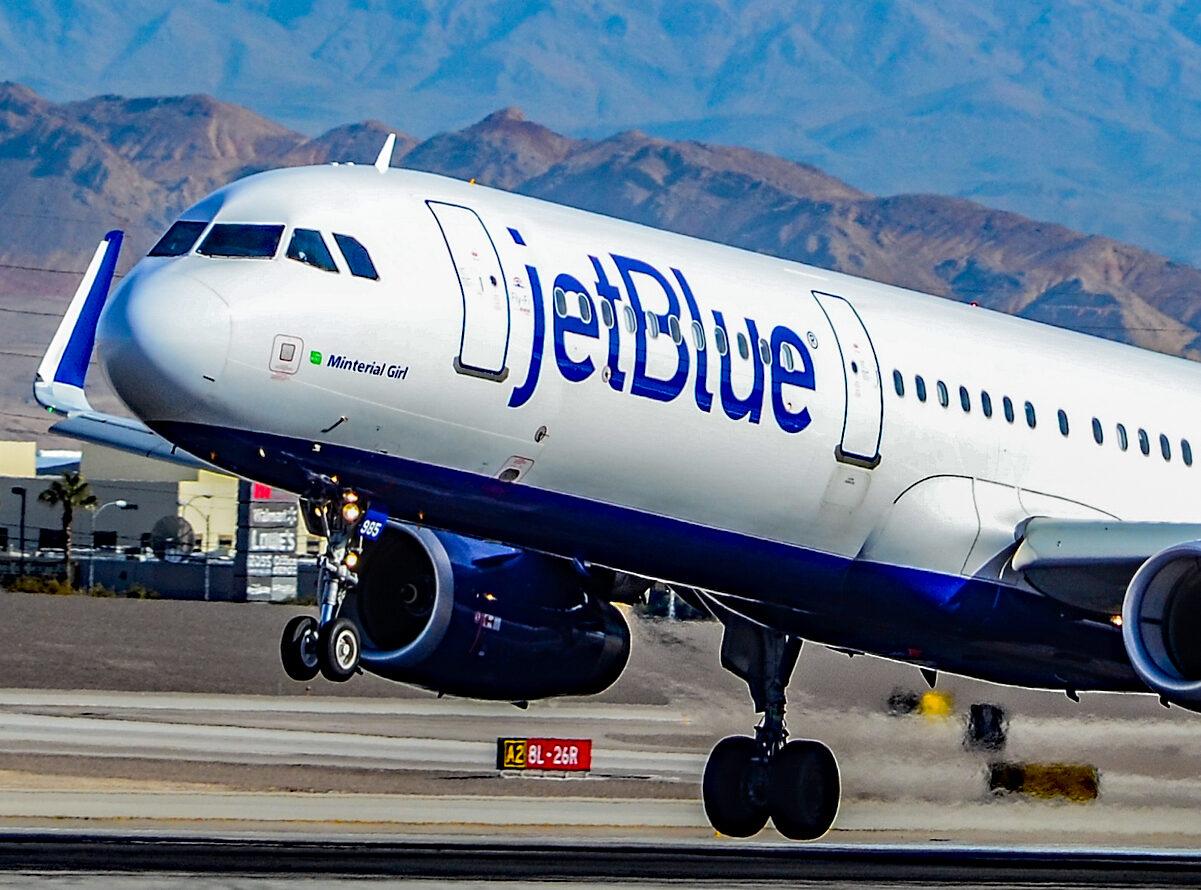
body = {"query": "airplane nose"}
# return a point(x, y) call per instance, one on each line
point(164, 341)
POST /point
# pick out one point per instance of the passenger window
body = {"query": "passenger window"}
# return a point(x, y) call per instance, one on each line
point(1063, 422)
point(919, 384)
point(720, 341)
point(1098, 433)
point(944, 397)
point(585, 308)
point(744, 348)
point(652, 324)
point(698, 336)
point(560, 302)
point(1186, 452)
point(1123, 440)
point(179, 239)
point(241, 241)
point(764, 352)
point(673, 328)
point(630, 317)
point(986, 403)
point(898, 383)
point(1007, 406)
point(1144, 442)
point(1031, 418)
point(786, 358)
point(965, 401)
point(357, 257)
point(607, 318)
point(307, 246)
point(1165, 447)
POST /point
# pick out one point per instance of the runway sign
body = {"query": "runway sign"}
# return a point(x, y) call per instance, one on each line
point(548, 755)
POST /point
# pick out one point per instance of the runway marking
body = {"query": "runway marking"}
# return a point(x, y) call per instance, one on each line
point(447, 707)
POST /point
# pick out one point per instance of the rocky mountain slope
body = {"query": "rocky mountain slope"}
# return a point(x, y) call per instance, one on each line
point(70, 171)
point(1084, 112)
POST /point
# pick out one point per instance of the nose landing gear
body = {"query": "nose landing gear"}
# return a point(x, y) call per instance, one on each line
point(749, 780)
point(328, 644)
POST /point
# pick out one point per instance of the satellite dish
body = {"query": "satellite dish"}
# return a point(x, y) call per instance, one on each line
point(172, 539)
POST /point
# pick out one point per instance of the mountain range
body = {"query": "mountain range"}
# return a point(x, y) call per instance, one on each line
point(1082, 112)
point(70, 171)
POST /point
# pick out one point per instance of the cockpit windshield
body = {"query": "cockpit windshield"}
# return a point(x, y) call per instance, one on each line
point(180, 238)
point(307, 246)
point(241, 240)
point(357, 257)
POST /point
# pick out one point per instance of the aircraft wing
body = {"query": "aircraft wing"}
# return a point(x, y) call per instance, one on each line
point(1089, 563)
point(62, 374)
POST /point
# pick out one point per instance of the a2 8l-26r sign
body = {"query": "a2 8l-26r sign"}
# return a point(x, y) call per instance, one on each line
point(550, 755)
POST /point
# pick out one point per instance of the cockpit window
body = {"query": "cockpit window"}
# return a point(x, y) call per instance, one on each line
point(179, 239)
point(357, 257)
point(307, 246)
point(241, 240)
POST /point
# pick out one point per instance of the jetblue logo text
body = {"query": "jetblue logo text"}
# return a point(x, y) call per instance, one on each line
point(661, 313)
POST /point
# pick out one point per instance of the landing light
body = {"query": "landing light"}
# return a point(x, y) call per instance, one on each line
point(1115, 620)
point(351, 512)
point(351, 561)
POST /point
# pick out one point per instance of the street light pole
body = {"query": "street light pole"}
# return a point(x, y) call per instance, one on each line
point(207, 543)
point(120, 504)
point(21, 492)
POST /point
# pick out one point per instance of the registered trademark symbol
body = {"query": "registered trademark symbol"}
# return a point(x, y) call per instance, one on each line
point(812, 337)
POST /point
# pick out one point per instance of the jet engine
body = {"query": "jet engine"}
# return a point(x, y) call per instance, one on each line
point(1161, 624)
point(482, 620)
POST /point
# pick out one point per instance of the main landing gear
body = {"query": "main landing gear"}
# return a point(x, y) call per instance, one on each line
point(328, 644)
point(748, 780)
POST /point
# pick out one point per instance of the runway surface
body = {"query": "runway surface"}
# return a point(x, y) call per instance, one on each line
point(186, 733)
point(107, 855)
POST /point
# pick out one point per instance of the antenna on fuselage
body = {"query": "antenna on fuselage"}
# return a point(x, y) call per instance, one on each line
point(384, 159)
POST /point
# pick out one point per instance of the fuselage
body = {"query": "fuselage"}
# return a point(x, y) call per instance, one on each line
point(844, 459)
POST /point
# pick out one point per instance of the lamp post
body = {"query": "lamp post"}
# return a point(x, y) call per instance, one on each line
point(120, 504)
point(22, 492)
point(207, 543)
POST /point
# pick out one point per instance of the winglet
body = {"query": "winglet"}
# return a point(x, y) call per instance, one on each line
point(59, 384)
point(384, 159)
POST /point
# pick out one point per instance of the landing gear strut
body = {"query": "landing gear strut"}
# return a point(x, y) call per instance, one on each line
point(328, 644)
point(748, 780)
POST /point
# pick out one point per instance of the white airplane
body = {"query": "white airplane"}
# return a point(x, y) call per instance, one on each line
point(504, 415)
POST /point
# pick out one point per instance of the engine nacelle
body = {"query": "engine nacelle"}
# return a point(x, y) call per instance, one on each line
point(482, 620)
point(1161, 624)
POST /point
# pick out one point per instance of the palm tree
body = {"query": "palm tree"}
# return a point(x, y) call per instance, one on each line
point(70, 493)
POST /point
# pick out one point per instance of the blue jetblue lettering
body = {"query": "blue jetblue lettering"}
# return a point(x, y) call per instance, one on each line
point(522, 394)
point(572, 293)
point(606, 291)
point(736, 407)
point(644, 384)
point(576, 315)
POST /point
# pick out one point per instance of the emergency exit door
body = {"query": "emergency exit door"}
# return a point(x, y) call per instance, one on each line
point(484, 343)
point(864, 419)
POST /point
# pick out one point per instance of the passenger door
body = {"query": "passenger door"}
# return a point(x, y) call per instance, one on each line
point(484, 342)
point(864, 419)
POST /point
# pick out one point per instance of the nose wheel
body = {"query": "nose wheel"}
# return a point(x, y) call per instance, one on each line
point(748, 780)
point(298, 648)
point(329, 644)
point(339, 650)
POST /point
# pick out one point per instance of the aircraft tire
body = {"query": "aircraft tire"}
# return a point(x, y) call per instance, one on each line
point(726, 788)
point(298, 648)
point(339, 649)
point(804, 791)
